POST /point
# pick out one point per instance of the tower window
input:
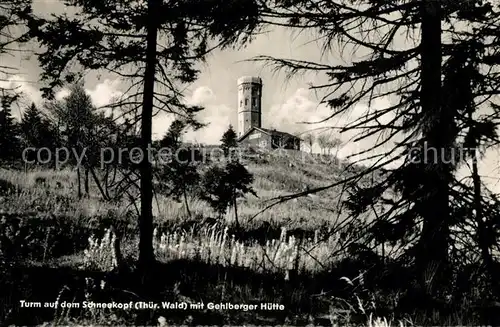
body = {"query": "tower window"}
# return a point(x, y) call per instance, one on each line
point(246, 102)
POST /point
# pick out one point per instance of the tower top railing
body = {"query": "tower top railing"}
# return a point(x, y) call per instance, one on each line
point(249, 79)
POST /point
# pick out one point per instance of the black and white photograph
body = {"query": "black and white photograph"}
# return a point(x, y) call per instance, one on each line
point(250, 163)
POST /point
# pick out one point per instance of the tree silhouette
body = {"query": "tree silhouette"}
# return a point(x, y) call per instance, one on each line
point(37, 132)
point(426, 113)
point(75, 115)
point(334, 143)
point(239, 183)
point(9, 131)
point(323, 140)
point(12, 20)
point(215, 191)
point(179, 174)
point(222, 186)
point(13, 33)
point(229, 141)
point(309, 139)
point(31, 124)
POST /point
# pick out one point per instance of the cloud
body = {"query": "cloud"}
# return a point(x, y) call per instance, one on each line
point(29, 93)
point(217, 118)
point(216, 115)
point(488, 167)
point(101, 94)
point(105, 92)
point(301, 107)
point(61, 94)
point(288, 116)
point(297, 114)
point(202, 96)
point(302, 113)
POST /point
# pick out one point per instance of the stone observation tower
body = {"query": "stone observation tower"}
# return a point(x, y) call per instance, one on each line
point(250, 131)
point(249, 103)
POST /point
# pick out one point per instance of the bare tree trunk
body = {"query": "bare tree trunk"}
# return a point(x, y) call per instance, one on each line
point(383, 252)
point(117, 249)
point(236, 212)
point(432, 257)
point(146, 252)
point(86, 181)
point(99, 186)
point(112, 184)
point(186, 203)
point(483, 228)
point(78, 177)
point(296, 264)
point(106, 182)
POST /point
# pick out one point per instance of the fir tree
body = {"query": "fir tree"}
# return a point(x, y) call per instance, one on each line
point(10, 147)
point(179, 175)
point(229, 141)
point(222, 186)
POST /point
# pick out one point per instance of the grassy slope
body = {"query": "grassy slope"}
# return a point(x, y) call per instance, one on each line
point(212, 246)
point(271, 179)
